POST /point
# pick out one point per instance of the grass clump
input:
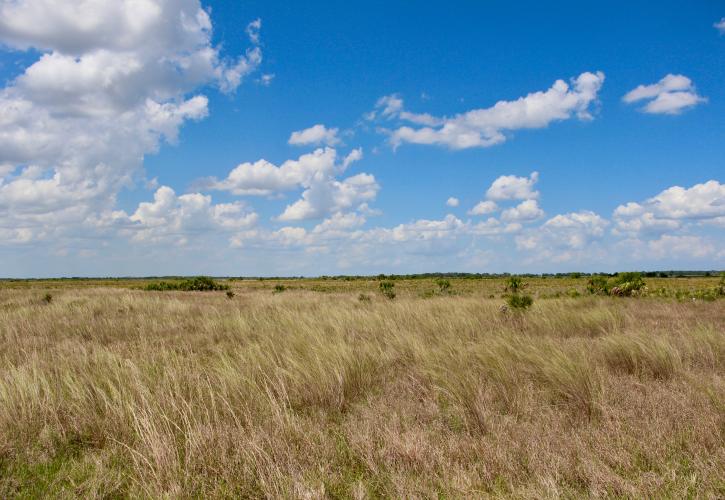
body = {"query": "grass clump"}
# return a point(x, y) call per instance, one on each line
point(444, 286)
point(515, 284)
point(387, 288)
point(520, 302)
point(642, 356)
point(517, 300)
point(622, 285)
point(198, 284)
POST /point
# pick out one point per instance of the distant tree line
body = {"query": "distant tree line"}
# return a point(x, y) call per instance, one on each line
point(647, 274)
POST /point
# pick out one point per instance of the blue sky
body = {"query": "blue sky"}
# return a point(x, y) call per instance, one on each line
point(150, 137)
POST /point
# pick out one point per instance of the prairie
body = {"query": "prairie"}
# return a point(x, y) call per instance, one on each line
point(107, 390)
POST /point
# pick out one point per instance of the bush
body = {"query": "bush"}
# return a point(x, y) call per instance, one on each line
point(598, 285)
point(444, 286)
point(520, 302)
point(202, 284)
point(622, 285)
point(230, 294)
point(279, 288)
point(198, 284)
point(625, 284)
point(387, 288)
point(515, 284)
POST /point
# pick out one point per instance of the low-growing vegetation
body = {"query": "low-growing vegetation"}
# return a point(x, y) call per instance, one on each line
point(387, 288)
point(114, 392)
point(517, 300)
point(198, 284)
point(621, 285)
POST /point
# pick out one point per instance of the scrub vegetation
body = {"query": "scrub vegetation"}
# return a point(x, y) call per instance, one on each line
point(331, 389)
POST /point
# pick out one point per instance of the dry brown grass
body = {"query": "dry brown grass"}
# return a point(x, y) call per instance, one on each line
point(117, 392)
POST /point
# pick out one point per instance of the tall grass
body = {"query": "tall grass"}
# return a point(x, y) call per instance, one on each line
point(109, 392)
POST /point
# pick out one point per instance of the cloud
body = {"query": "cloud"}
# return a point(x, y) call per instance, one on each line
point(315, 172)
point(330, 196)
point(266, 79)
point(420, 230)
point(387, 106)
point(720, 26)
point(110, 83)
point(671, 95)
point(487, 126)
point(452, 202)
point(263, 178)
point(317, 134)
point(563, 237)
point(511, 187)
point(178, 217)
point(253, 29)
point(668, 246)
point(483, 208)
point(526, 211)
point(339, 222)
point(674, 208)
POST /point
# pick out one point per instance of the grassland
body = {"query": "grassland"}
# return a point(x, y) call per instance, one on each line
point(107, 390)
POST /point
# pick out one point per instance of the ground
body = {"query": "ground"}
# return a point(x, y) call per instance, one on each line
point(310, 390)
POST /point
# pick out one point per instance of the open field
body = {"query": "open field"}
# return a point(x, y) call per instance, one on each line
point(107, 390)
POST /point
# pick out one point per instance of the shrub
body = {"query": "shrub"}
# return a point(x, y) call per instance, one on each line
point(387, 288)
point(622, 285)
point(279, 288)
point(598, 285)
point(230, 294)
point(625, 284)
point(198, 284)
point(515, 284)
point(520, 302)
point(201, 284)
point(444, 286)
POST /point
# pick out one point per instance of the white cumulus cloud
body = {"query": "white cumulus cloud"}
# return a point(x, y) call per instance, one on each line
point(177, 217)
point(527, 210)
point(111, 81)
point(671, 95)
point(564, 237)
point(487, 126)
point(317, 134)
point(512, 187)
point(316, 173)
point(483, 208)
point(674, 208)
